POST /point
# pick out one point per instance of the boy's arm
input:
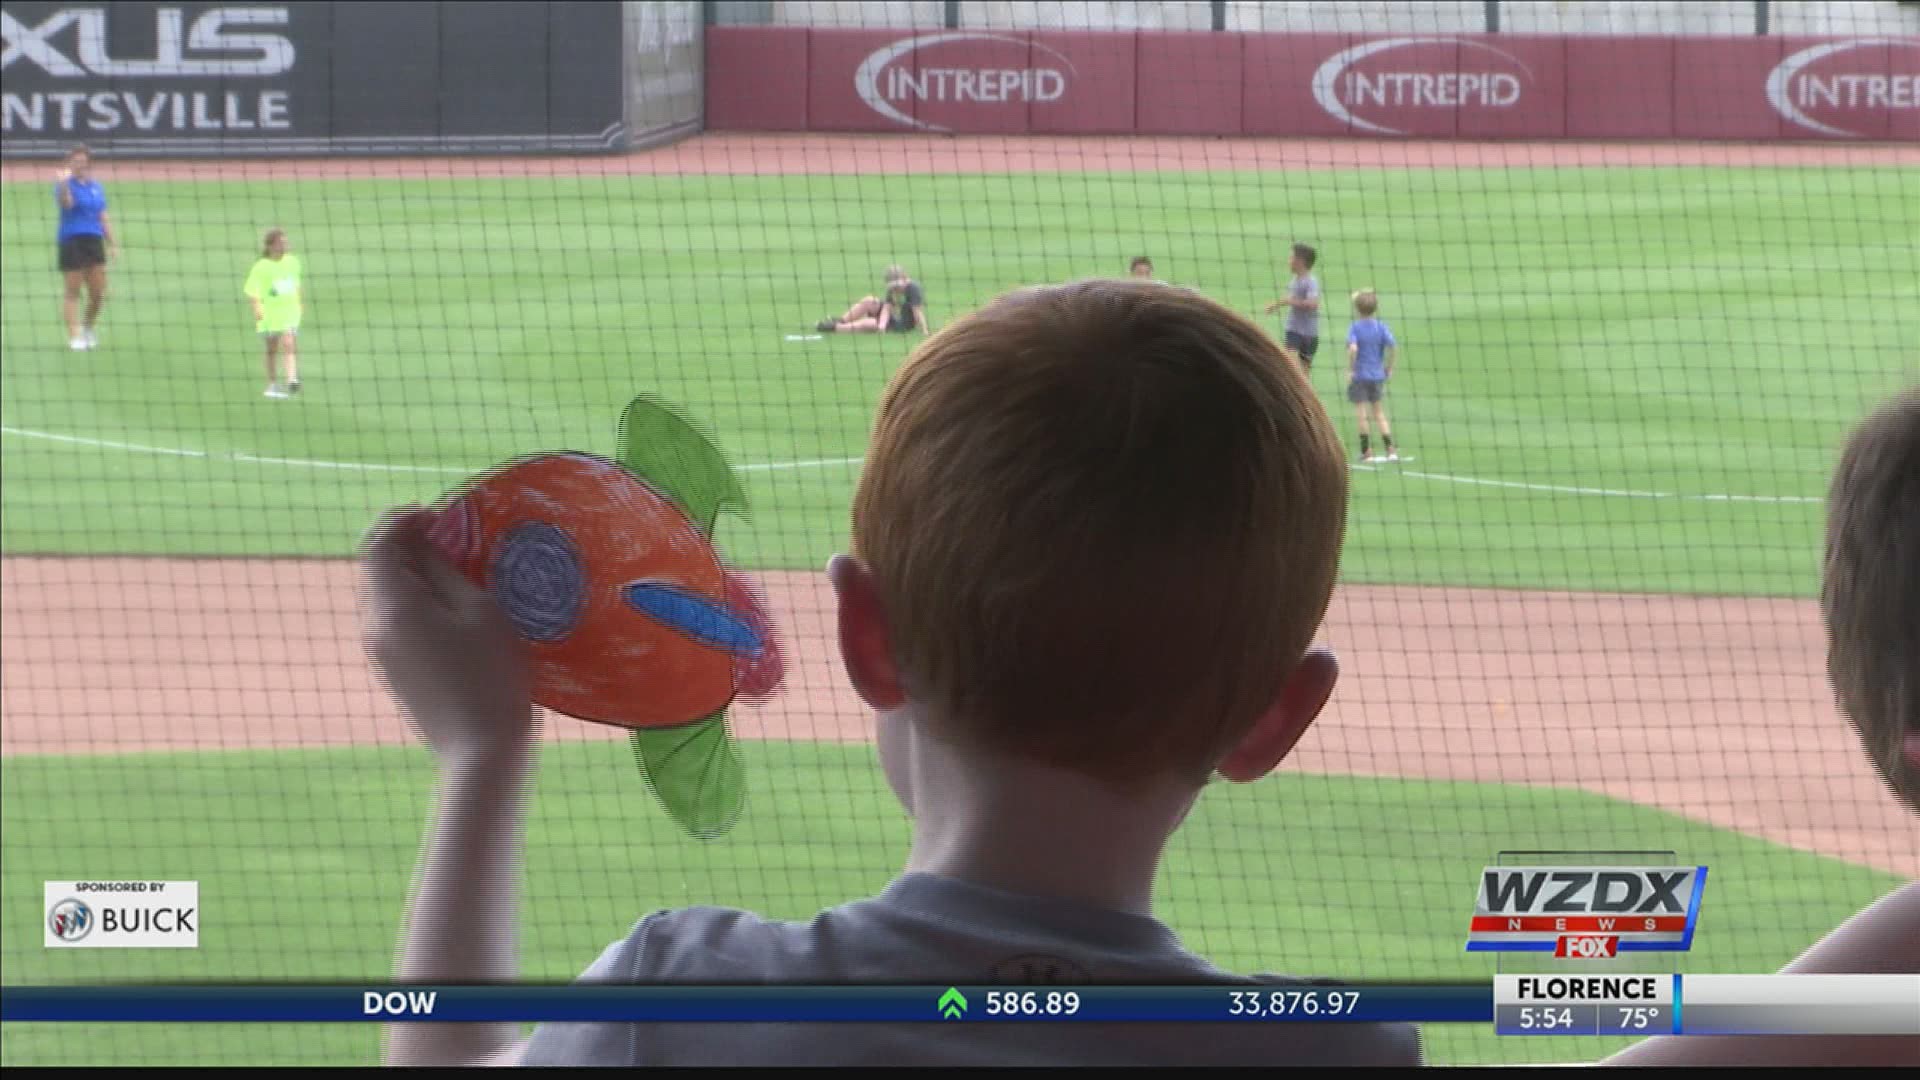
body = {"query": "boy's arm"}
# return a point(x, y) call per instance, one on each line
point(1392, 352)
point(113, 241)
point(920, 318)
point(461, 923)
point(459, 672)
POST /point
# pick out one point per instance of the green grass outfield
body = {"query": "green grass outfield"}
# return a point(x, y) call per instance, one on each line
point(1302, 874)
point(1596, 363)
point(1570, 335)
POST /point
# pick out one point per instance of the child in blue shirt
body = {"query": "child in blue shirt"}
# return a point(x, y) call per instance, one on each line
point(1370, 356)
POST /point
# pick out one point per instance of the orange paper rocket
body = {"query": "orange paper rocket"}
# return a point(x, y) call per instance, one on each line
point(632, 619)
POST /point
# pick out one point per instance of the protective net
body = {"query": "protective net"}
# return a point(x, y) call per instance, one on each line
point(1644, 265)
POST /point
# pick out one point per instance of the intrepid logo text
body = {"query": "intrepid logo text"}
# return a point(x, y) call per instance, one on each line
point(1826, 88)
point(1409, 73)
point(903, 78)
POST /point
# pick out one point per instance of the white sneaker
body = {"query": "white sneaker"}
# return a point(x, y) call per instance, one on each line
point(78, 344)
point(1393, 455)
point(1368, 460)
point(274, 391)
point(92, 342)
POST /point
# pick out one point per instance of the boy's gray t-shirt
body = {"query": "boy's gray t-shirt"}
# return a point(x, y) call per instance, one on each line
point(1304, 323)
point(930, 930)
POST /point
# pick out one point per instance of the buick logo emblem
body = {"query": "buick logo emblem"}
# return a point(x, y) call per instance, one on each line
point(70, 920)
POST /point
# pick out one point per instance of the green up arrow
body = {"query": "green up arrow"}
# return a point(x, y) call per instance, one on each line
point(953, 1004)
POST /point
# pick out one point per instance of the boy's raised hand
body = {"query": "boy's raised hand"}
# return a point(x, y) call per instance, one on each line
point(446, 651)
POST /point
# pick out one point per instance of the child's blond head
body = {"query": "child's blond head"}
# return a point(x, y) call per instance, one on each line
point(1365, 303)
point(1870, 590)
point(1103, 520)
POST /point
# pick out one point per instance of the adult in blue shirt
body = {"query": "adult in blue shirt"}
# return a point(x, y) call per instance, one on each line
point(86, 244)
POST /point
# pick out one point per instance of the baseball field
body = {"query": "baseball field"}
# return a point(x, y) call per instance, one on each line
point(1577, 616)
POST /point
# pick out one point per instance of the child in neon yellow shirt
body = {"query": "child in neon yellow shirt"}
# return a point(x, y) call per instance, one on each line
point(273, 287)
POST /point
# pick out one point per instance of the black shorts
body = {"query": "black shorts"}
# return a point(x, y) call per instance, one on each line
point(1366, 391)
point(82, 253)
point(1303, 346)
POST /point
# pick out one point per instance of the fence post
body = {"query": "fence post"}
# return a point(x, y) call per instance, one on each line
point(1493, 16)
point(1761, 9)
point(1219, 14)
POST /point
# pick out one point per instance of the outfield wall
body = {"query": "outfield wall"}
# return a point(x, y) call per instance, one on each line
point(1470, 86)
point(1725, 17)
point(136, 78)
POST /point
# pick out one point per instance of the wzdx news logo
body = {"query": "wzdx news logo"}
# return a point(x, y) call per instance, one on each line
point(1586, 912)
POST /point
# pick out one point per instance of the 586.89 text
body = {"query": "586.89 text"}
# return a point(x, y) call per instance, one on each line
point(1032, 1003)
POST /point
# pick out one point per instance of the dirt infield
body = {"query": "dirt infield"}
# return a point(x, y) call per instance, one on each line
point(1715, 709)
point(737, 154)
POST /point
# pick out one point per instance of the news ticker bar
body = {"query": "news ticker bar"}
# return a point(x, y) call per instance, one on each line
point(1516, 1004)
point(1471, 1003)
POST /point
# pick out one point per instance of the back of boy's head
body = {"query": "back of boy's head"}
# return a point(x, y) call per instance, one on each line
point(1104, 520)
point(1306, 255)
point(1366, 302)
point(1870, 593)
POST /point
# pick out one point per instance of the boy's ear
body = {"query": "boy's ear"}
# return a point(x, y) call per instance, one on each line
point(866, 646)
point(1279, 729)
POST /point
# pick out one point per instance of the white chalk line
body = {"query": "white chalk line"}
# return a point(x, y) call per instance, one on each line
point(1566, 489)
point(347, 466)
point(822, 463)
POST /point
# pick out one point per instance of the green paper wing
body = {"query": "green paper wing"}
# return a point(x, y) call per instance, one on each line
point(696, 772)
point(677, 458)
point(694, 769)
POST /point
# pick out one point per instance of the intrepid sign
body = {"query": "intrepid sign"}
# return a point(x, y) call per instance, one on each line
point(1829, 88)
point(1359, 85)
point(909, 81)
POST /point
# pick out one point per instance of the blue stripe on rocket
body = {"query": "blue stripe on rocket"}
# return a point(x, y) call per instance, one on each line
point(710, 623)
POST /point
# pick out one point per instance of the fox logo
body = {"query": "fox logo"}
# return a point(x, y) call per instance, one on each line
point(1587, 947)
